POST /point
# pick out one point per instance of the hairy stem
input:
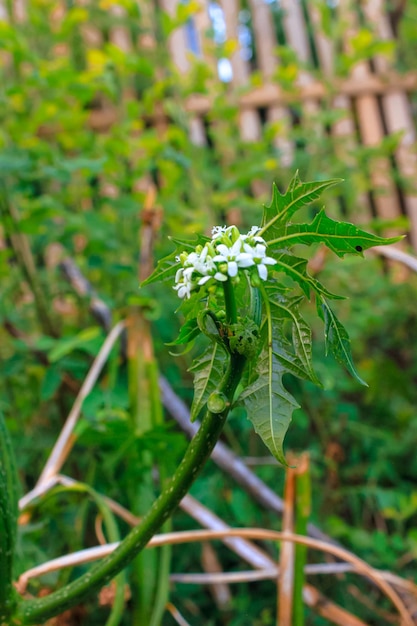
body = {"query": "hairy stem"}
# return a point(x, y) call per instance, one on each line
point(198, 451)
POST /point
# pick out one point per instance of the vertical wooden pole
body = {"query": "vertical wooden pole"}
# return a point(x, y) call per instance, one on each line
point(287, 555)
point(265, 45)
point(371, 129)
point(249, 123)
point(343, 130)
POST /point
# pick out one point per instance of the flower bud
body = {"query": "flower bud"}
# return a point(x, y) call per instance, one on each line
point(217, 402)
point(234, 234)
point(255, 281)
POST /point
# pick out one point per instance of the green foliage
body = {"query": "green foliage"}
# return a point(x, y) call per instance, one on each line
point(65, 182)
point(337, 340)
point(8, 520)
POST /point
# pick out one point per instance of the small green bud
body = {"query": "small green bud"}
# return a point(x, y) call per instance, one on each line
point(255, 280)
point(183, 257)
point(217, 402)
point(235, 234)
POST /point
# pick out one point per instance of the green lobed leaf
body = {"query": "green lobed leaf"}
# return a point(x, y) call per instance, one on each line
point(168, 266)
point(341, 237)
point(287, 308)
point(283, 206)
point(269, 405)
point(165, 270)
point(296, 268)
point(208, 371)
point(337, 340)
point(189, 331)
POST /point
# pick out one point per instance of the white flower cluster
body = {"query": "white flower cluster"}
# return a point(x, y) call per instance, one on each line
point(221, 258)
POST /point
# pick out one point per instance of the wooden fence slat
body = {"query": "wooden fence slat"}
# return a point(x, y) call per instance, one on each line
point(371, 128)
point(249, 122)
point(398, 116)
point(295, 31)
point(202, 24)
point(177, 41)
point(265, 44)
point(297, 38)
point(265, 41)
point(179, 52)
point(240, 67)
point(344, 128)
point(119, 35)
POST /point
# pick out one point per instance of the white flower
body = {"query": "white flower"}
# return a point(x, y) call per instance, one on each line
point(218, 231)
point(252, 235)
point(184, 288)
point(233, 257)
point(221, 258)
point(260, 259)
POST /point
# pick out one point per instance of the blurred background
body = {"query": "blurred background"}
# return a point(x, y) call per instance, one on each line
point(126, 122)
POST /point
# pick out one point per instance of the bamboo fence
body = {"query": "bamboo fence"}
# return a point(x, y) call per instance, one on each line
point(373, 99)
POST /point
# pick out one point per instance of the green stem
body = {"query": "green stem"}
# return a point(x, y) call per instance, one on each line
point(162, 590)
point(302, 514)
point(230, 302)
point(39, 610)
point(8, 522)
point(268, 315)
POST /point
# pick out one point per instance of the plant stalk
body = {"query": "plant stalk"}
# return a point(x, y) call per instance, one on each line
point(199, 450)
point(230, 302)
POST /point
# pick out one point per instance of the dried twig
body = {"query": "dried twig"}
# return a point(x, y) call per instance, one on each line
point(253, 575)
point(176, 614)
point(395, 254)
point(220, 590)
point(60, 479)
point(83, 287)
point(248, 533)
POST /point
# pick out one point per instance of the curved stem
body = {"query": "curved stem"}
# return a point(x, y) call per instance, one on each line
point(39, 610)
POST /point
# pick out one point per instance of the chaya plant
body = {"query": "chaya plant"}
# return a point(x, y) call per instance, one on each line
point(243, 291)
